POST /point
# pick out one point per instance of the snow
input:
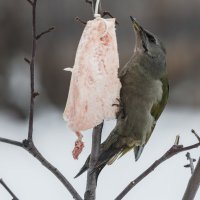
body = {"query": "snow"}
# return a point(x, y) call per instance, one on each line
point(30, 180)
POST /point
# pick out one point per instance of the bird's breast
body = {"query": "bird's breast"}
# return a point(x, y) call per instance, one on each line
point(138, 95)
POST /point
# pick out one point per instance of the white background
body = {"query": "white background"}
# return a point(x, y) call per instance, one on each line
point(31, 181)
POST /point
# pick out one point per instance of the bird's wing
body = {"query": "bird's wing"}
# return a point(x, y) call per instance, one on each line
point(158, 107)
point(156, 111)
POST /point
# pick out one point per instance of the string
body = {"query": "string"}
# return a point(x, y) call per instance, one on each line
point(96, 14)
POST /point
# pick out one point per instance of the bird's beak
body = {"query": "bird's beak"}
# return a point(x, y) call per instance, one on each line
point(136, 25)
point(140, 35)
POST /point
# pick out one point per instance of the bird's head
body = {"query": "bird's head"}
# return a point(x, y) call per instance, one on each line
point(149, 51)
point(147, 42)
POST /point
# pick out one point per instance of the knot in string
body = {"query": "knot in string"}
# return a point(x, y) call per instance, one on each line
point(98, 16)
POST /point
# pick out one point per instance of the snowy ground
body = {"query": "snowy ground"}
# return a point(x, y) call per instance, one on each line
point(31, 181)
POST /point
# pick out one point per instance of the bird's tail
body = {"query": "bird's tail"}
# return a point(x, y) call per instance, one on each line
point(106, 156)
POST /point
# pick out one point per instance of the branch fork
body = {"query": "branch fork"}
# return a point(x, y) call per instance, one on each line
point(175, 149)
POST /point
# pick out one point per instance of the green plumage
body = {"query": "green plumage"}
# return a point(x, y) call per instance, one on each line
point(158, 107)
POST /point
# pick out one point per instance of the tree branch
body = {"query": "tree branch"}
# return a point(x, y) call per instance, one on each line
point(193, 184)
point(8, 189)
point(175, 149)
point(80, 20)
point(89, 1)
point(28, 144)
point(44, 32)
point(29, 1)
point(32, 66)
point(30, 147)
point(13, 142)
point(90, 193)
point(191, 164)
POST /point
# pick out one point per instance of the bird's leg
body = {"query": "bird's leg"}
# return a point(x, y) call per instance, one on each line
point(117, 104)
point(120, 112)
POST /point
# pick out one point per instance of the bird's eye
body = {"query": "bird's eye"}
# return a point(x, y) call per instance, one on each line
point(151, 38)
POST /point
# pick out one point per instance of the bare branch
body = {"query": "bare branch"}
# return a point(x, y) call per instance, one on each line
point(90, 193)
point(44, 32)
point(107, 13)
point(193, 184)
point(32, 69)
point(29, 1)
point(28, 144)
point(175, 149)
point(89, 1)
point(8, 189)
point(191, 160)
point(30, 147)
point(13, 142)
point(196, 135)
point(177, 140)
point(80, 20)
point(35, 94)
point(27, 60)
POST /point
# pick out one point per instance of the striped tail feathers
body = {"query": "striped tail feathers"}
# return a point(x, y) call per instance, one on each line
point(138, 151)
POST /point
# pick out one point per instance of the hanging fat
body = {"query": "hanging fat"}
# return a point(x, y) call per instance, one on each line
point(94, 86)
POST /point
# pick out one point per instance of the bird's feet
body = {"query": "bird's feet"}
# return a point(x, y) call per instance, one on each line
point(117, 104)
point(120, 112)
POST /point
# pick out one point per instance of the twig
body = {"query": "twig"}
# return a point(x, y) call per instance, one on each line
point(29, 1)
point(107, 13)
point(13, 142)
point(28, 144)
point(89, 1)
point(177, 140)
point(193, 184)
point(191, 160)
point(32, 66)
point(30, 147)
point(175, 149)
point(44, 32)
point(27, 60)
point(8, 189)
point(194, 132)
point(80, 20)
point(90, 193)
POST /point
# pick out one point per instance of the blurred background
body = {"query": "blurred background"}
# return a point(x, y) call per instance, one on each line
point(177, 23)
